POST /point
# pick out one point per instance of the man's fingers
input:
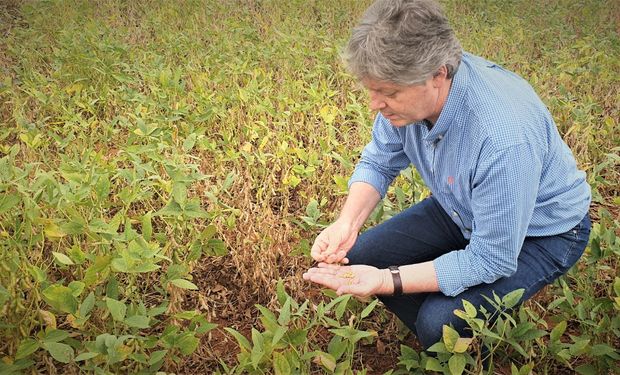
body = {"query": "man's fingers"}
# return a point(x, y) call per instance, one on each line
point(332, 248)
point(329, 280)
point(324, 265)
point(318, 249)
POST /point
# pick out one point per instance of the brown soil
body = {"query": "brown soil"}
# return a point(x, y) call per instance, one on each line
point(224, 299)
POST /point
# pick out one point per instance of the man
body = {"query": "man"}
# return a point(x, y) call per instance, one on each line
point(509, 208)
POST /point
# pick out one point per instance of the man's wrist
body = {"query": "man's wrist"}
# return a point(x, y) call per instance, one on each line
point(387, 284)
point(396, 281)
point(351, 222)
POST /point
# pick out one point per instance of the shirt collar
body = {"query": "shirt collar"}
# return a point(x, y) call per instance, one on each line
point(452, 106)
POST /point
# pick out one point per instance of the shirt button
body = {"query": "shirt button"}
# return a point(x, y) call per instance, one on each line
point(454, 214)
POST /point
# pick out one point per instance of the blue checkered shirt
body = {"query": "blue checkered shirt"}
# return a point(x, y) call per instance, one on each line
point(494, 161)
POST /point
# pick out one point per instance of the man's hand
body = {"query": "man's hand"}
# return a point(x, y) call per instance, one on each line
point(359, 280)
point(333, 243)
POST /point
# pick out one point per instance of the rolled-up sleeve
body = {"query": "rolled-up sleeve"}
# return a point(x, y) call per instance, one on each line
point(382, 159)
point(504, 193)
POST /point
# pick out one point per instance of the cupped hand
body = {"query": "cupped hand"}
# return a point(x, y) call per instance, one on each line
point(333, 243)
point(359, 280)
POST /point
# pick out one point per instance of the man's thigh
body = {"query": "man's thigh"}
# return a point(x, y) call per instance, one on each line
point(418, 234)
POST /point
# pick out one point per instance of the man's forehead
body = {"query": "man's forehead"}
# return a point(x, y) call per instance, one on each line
point(378, 85)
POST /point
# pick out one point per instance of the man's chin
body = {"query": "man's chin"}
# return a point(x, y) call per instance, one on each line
point(398, 123)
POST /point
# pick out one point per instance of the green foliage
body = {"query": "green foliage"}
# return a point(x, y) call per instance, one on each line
point(139, 138)
point(285, 346)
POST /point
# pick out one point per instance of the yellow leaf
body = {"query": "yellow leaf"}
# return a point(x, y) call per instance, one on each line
point(328, 114)
point(247, 147)
point(48, 318)
point(76, 87)
point(52, 230)
point(461, 345)
point(72, 321)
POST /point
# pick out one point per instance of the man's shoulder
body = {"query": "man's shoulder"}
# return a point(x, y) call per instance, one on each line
point(500, 105)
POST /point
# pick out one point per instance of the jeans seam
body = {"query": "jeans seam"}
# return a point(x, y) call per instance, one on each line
point(570, 251)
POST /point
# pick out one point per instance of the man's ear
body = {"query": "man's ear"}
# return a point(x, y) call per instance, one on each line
point(440, 76)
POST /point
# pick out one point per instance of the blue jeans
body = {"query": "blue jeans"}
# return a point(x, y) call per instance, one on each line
point(424, 231)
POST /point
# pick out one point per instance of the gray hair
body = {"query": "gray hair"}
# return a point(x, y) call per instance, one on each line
point(403, 42)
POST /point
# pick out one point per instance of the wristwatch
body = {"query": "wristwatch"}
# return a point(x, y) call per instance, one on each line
point(398, 284)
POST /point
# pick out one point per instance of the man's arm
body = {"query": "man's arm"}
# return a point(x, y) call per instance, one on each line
point(333, 243)
point(362, 199)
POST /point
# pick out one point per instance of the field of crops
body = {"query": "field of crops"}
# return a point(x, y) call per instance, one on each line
point(166, 165)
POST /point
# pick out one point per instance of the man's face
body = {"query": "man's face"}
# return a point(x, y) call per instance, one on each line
point(403, 105)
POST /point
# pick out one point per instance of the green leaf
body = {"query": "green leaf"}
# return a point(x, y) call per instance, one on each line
point(268, 318)
point(147, 226)
point(342, 306)
point(586, 369)
point(432, 364)
point(7, 202)
point(278, 334)
point(193, 209)
point(55, 335)
point(171, 209)
point(557, 331)
point(297, 337)
point(63, 259)
point(77, 287)
point(337, 346)
point(371, 306)
point(117, 309)
point(26, 348)
point(285, 313)
point(111, 288)
point(157, 356)
point(456, 364)
point(281, 292)
point(280, 364)
point(184, 284)
point(187, 343)
point(579, 347)
point(208, 232)
point(511, 299)
point(87, 305)
point(85, 356)
point(217, 247)
point(61, 298)
point(138, 321)
point(604, 349)
point(244, 343)
point(179, 193)
point(60, 352)
point(438, 347)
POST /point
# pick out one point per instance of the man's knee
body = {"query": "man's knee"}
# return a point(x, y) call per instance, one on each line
point(436, 312)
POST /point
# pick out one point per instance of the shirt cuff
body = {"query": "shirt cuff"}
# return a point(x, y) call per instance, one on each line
point(449, 273)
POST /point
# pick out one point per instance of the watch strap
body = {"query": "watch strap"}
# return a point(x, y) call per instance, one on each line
point(398, 283)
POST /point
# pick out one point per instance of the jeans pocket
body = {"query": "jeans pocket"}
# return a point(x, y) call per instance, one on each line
point(578, 238)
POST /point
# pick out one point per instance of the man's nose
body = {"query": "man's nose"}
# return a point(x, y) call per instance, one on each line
point(376, 102)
